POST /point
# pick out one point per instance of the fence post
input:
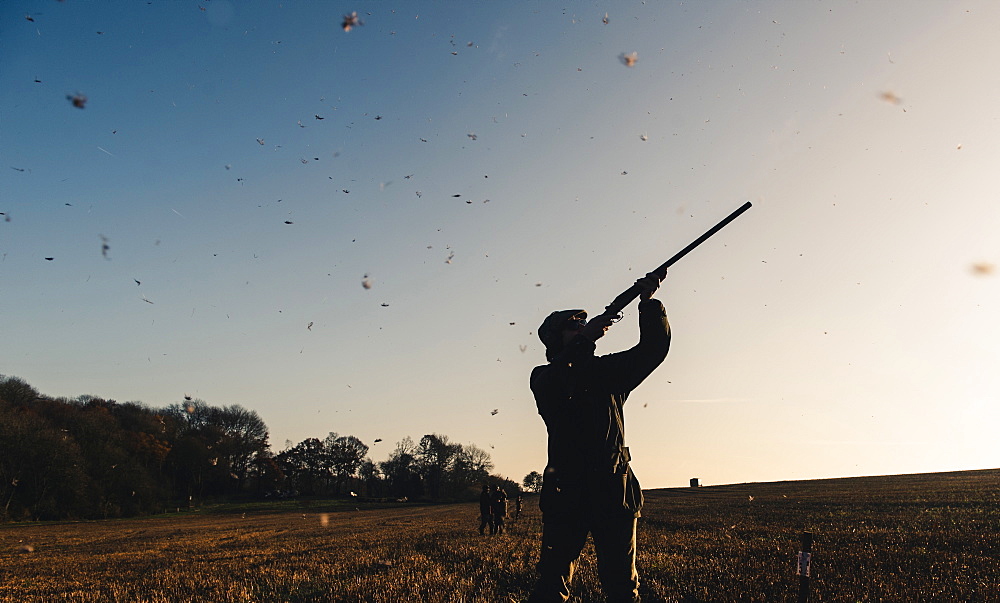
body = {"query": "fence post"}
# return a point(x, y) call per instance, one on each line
point(805, 554)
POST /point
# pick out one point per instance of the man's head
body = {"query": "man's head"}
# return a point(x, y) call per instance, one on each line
point(558, 327)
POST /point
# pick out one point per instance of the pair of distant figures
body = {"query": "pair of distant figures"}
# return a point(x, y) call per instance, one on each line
point(493, 509)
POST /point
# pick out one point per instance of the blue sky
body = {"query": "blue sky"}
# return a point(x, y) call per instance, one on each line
point(480, 165)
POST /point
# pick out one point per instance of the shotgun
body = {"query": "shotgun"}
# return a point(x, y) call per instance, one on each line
point(615, 307)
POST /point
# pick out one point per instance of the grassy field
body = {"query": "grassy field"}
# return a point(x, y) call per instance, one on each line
point(929, 537)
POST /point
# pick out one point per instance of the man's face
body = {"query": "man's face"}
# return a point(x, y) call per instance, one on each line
point(572, 327)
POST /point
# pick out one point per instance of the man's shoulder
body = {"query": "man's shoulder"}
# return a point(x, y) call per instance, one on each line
point(538, 371)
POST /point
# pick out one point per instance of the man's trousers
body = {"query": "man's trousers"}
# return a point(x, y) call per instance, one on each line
point(563, 539)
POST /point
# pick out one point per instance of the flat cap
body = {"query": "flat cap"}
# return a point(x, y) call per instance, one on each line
point(553, 325)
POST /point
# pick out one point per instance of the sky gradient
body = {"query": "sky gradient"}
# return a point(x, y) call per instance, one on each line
point(360, 231)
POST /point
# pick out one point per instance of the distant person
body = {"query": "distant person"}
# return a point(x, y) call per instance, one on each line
point(517, 505)
point(499, 509)
point(588, 486)
point(485, 510)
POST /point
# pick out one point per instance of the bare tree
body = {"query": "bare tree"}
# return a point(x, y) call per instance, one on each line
point(472, 466)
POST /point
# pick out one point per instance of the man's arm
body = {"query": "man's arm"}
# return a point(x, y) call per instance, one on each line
point(629, 368)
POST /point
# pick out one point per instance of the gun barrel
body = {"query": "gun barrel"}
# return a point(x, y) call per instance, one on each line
point(619, 303)
point(662, 269)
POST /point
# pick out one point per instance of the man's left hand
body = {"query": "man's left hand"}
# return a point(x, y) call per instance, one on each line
point(649, 284)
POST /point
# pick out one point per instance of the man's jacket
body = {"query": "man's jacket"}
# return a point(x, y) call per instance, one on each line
point(499, 503)
point(580, 397)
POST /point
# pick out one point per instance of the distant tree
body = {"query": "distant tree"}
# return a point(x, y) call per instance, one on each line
point(266, 473)
point(306, 465)
point(108, 457)
point(191, 414)
point(533, 482)
point(471, 469)
point(371, 478)
point(193, 466)
point(199, 461)
point(222, 446)
point(345, 455)
point(244, 439)
point(138, 443)
point(16, 392)
point(92, 457)
point(400, 470)
point(41, 476)
point(112, 469)
point(435, 460)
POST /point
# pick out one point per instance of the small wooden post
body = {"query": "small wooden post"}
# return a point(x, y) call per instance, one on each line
point(805, 555)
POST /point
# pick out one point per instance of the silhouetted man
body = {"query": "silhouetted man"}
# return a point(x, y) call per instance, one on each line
point(499, 508)
point(588, 486)
point(485, 510)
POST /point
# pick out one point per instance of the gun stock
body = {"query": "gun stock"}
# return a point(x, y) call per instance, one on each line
point(619, 303)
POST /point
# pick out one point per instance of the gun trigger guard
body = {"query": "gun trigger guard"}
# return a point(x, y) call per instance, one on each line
point(617, 317)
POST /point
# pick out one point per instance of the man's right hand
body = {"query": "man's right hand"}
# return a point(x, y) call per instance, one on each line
point(597, 326)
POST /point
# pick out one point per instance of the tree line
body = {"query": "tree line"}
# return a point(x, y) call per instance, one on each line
point(88, 457)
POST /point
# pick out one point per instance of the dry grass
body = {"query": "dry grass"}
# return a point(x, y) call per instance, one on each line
point(901, 538)
point(431, 553)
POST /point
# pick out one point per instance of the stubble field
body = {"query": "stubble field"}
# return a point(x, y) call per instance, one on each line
point(929, 537)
